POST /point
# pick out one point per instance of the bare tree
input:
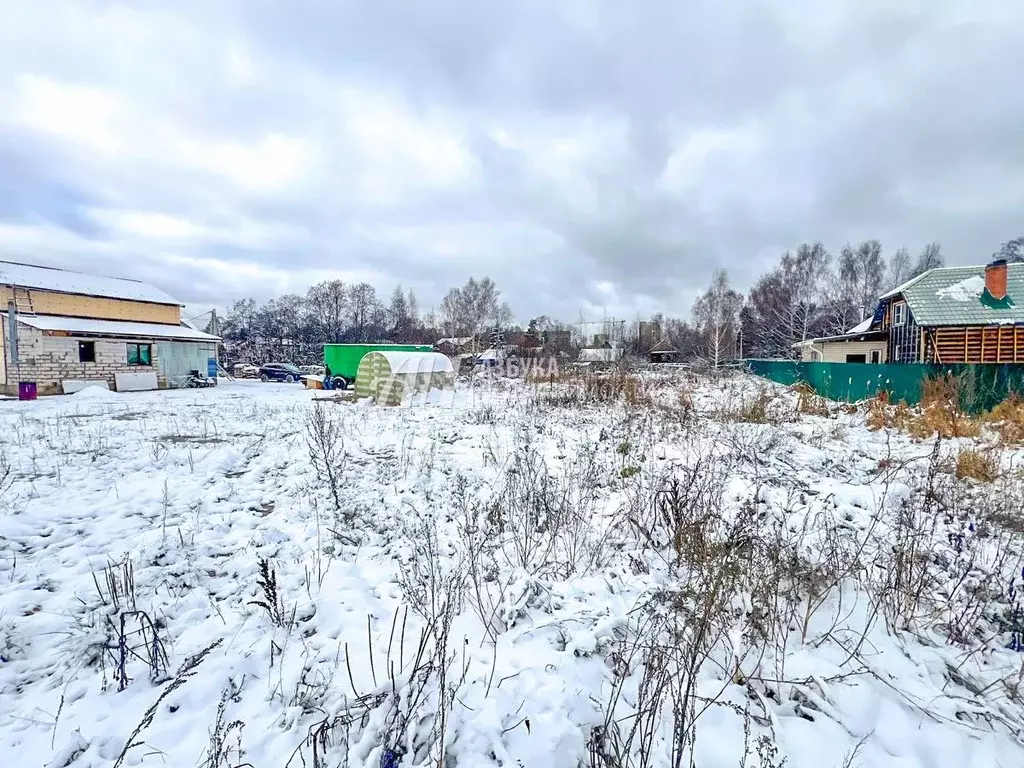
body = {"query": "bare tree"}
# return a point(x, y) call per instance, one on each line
point(468, 310)
point(861, 278)
point(1012, 250)
point(765, 332)
point(930, 258)
point(805, 272)
point(399, 319)
point(327, 305)
point(717, 316)
point(366, 312)
point(900, 268)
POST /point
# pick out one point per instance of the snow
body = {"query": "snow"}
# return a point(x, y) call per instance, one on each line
point(183, 493)
point(114, 328)
point(97, 393)
point(861, 327)
point(406, 362)
point(600, 355)
point(65, 281)
point(963, 291)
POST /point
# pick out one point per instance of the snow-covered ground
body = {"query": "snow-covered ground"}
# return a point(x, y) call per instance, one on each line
point(505, 577)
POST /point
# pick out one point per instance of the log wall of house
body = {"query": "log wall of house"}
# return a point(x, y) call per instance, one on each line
point(976, 344)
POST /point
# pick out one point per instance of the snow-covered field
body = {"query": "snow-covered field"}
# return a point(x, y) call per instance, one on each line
point(507, 577)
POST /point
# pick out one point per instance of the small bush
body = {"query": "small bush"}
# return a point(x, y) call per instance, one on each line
point(982, 466)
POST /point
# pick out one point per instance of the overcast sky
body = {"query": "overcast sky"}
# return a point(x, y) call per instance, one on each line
point(600, 155)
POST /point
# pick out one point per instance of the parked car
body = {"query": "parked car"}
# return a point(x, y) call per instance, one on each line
point(312, 370)
point(279, 372)
point(246, 369)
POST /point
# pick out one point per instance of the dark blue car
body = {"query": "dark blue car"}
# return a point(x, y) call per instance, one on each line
point(280, 372)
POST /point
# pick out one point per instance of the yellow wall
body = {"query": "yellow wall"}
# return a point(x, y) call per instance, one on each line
point(50, 303)
point(836, 351)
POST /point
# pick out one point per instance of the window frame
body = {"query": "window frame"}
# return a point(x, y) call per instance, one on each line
point(84, 344)
point(899, 314)
point(876, 356)
point(138, 347)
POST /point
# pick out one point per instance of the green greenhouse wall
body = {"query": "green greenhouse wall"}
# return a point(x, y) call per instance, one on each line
point(982, 386)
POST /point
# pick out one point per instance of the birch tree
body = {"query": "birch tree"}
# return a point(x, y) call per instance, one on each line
point(716, 314)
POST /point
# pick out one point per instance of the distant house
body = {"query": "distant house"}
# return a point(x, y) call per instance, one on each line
point(69, 327)
point(945, 315)
point(663, 352)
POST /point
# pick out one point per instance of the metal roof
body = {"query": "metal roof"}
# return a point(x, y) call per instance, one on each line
point(955, 296)
point(113, 328)
point(65, 281)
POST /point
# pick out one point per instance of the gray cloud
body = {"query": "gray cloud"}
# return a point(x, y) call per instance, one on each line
point(587, 156)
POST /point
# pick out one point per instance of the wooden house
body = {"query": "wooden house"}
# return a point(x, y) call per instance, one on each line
point(945, 315)
point(663, 352)
point(63, 329)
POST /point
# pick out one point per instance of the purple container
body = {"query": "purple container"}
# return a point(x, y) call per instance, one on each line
point(27, 390)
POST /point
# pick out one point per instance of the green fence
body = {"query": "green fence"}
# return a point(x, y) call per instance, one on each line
point(981, 386)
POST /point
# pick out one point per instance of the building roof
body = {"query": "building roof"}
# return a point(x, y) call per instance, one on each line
point(956, 296)
point(65, 281)
point(114, 328)
point(662, 347)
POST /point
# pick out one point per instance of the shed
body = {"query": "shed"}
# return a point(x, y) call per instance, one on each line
point(388, 377)
point(663, 352)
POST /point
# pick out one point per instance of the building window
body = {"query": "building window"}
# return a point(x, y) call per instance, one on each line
point(899, 314)
point(856, 359)
point(876, 355)
point(140, 354)
point(87, 351)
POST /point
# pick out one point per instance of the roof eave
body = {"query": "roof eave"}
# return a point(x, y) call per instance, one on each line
point(174, 303)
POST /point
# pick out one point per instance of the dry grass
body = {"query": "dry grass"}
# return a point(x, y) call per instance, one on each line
point(939, 413)
point(571, 388)
point(882, 415)
point(810, 402)
point(1007, 419)
point(764, 407)
point(982, 466)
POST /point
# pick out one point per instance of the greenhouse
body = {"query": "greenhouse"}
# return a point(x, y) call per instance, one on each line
point(390, 377)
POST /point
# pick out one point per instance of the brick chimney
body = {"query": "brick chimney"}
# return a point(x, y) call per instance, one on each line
point(995, 279)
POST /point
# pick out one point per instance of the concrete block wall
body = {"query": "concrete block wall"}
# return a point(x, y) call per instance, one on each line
point(48, 360)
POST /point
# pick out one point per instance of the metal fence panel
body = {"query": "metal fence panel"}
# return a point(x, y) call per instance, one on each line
point(981, 386)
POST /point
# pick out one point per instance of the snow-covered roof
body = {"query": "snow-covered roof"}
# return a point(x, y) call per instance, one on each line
point(964, 290)
point(861, 327)
point(457, 341)
point(65, 281)
point(113, 328)
point(415, 362)
point(956, 296)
